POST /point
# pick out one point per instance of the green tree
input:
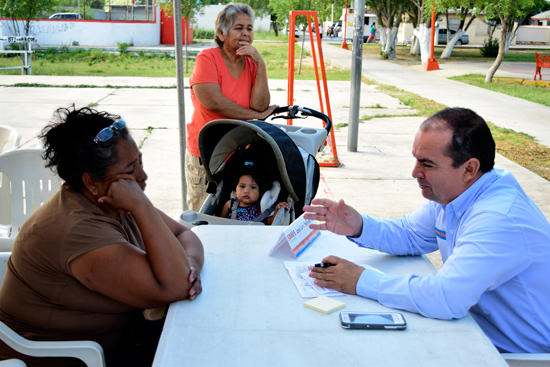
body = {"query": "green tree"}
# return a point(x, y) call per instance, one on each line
point(25, 11)
point(463, 8)
point(389, 14)
point(509, 12)
point(282, 8)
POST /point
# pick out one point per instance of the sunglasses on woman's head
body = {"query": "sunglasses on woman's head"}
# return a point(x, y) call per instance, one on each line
point(107, 133)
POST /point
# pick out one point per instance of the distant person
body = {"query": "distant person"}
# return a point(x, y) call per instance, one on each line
point(88, 262)
point(229, 82)
point(494, 241)
point(321, 30)
point(246, 205)
point(372, 35)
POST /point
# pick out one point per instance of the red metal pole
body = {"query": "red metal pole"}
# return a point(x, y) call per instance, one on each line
point(431, 64)
point(344, 44)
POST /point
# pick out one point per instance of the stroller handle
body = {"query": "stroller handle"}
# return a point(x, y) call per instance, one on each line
point(294, 110)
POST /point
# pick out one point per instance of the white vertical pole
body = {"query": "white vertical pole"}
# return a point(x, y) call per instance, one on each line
point(181, 100)
point(356, 65)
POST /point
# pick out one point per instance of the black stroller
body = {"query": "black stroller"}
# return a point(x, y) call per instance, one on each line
point(285, 154)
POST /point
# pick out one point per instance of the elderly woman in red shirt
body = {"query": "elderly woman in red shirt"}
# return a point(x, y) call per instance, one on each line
point(229, 82)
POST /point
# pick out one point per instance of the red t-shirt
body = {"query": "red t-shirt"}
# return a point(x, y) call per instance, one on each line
point(210, 68)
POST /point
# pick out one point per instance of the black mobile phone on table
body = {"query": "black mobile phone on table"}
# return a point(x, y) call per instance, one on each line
point(372, 320)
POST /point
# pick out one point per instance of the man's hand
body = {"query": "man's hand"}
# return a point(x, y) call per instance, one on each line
point(339, 218)
point(342, 277)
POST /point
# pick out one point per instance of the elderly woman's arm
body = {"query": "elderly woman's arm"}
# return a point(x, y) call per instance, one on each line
point(259, 99)
point(211, 97)
point(161, 275)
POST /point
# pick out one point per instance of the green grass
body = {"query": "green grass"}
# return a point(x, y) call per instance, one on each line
point(510, 86)
point(95, 63)
point(78, 62)
point(458, 54)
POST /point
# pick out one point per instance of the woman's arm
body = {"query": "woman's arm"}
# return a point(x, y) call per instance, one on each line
point(193, 246)
point(260, 96)
point(121, 271)
point(211, 97)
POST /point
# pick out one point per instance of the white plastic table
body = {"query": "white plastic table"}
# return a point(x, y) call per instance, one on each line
point(251, 314)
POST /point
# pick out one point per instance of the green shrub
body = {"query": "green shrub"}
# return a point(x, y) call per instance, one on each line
point(203, 34)
point(490, 47)
point(123, 47)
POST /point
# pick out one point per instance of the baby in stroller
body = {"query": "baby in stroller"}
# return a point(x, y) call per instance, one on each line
point(245, 201)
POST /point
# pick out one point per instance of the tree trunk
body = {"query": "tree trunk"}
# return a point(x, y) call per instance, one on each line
point(451, 44)
point(423, 34)
point(501, 50)
point(391, 42)
point(415, 47)
point(511, 36)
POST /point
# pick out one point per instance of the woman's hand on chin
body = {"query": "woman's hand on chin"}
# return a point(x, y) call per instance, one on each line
point(125, 195)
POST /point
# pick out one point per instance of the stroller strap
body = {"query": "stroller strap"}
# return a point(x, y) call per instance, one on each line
point(234, 209)
point(266, 213)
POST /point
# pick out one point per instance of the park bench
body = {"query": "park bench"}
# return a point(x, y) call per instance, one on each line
point(543, 61)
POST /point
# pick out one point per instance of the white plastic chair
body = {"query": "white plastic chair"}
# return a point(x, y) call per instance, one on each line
point(31, 185)
point(91, 353)
point(527, 359)
point(9, 140)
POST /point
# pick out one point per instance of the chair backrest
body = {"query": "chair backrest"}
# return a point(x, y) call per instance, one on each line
point(4, 256)
point(91, 353)
point(9, 138)
point(31, 185)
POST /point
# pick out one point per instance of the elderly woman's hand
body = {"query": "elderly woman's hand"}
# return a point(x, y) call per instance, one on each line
point(247, 49)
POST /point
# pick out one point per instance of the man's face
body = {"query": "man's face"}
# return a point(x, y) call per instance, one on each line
point(433, 170)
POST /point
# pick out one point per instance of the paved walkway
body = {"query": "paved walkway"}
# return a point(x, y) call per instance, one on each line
point(376, 179)
point(502, 110)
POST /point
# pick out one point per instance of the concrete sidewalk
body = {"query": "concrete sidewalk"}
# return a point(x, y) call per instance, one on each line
point(502, 110)
point(375, 180)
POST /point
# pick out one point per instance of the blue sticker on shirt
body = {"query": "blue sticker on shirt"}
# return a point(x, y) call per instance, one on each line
point(441, 234)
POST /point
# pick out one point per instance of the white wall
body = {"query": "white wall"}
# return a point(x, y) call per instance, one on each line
point(533, 34)
point(93, 33)
point(208, 18)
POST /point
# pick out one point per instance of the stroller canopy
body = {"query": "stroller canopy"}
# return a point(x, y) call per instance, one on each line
point(221, 141)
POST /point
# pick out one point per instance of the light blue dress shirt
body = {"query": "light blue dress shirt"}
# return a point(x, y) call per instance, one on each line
point(495, 244)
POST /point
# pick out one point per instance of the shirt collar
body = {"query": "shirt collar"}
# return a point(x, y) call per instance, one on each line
point(464, 200)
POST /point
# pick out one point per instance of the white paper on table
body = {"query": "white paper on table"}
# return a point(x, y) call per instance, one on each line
point(295, 268)
point(299, 273)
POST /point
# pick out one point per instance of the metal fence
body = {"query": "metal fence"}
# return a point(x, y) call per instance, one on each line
point(27, 53)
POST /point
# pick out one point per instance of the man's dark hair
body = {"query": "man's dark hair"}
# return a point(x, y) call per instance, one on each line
point(471, 136)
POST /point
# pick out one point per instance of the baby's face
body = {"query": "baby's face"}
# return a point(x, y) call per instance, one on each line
point(248, 191)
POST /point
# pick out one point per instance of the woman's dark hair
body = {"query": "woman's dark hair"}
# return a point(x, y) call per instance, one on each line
point(471, 136)
point(70, 147)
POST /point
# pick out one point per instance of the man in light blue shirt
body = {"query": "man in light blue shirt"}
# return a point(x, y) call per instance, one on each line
point(494, 241)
